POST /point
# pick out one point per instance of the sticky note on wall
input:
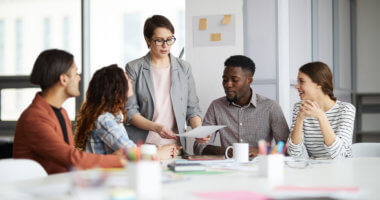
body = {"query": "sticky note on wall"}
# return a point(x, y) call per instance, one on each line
point(215, 37)
point(226, 19)
point(202, 23)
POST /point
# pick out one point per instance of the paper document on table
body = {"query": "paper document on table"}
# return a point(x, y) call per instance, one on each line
point(201, 131)
point(300, 192)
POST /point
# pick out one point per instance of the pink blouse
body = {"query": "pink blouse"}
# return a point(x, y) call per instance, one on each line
point(163, 108)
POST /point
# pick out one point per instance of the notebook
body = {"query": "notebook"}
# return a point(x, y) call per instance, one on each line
point(186, 167)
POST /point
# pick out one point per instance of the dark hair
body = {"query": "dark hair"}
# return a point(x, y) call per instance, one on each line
point(241, 61)
point(107, 92)
point(156, 21)
point(50, 64)
point(320, 74)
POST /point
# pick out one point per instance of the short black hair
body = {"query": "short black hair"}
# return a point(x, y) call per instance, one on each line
point(50, 64)
point(241, 61)
point(156, 21)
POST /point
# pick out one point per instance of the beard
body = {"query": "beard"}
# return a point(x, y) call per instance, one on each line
point(232, 100)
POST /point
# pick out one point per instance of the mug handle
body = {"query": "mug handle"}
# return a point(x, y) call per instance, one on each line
point(226, 153)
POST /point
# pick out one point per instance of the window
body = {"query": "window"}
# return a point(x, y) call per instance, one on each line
point(19, 40)
point(46, 36)
point(122, 40)
point(66, 34)
point(133, 48)
point(23, 35)
point(115, 36)
point(1, 46)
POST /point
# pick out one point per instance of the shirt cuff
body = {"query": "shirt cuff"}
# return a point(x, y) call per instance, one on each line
point(333, 147)
point(295, 145)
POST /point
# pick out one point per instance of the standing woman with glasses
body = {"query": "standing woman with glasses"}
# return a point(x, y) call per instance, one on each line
point(165, 97)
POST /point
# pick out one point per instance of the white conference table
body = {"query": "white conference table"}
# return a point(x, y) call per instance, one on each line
point(354, 172)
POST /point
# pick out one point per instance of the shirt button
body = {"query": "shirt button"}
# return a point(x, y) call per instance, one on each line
point(145, 100)
point(241, 124)
point(183, 114)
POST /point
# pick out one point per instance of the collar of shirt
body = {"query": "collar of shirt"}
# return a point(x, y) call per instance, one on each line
point(253, 101)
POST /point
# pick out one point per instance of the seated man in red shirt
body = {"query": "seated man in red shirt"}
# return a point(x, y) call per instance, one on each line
point(44, 131)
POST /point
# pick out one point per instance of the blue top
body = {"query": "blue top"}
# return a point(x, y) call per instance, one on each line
point(108, 135)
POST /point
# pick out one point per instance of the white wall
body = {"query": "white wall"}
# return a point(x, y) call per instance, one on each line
point(208, 62)
point(261, 44)
point(280, 36)
point(368, 45)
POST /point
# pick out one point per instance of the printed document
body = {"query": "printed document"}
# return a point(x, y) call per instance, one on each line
point(201, 131)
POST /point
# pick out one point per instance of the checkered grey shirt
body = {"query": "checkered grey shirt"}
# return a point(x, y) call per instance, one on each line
point(109, 135)
point(262, 118)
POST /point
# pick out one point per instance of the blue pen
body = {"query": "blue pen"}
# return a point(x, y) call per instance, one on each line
point(280, 146)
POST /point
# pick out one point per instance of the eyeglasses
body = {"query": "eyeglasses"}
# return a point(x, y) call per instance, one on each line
point(160, 42)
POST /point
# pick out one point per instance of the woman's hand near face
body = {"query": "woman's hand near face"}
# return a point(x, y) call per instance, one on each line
point(311, 109)
point(301, 114)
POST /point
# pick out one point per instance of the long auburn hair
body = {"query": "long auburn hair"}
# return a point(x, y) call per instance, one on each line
point(320, 74)
point(107, 92)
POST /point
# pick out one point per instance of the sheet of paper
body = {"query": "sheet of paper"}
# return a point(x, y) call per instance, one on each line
point(214, 37)
point(201, 131)
point(207, 162)
point(298, 192)
point(202, 23)
point(236, 195)
point(226, 19)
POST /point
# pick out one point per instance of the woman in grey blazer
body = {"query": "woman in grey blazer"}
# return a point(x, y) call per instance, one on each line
point(164, 89)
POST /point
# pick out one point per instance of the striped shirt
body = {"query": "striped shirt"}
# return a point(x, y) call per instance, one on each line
point(262, 118)
point(341, 117)
point(109, 135)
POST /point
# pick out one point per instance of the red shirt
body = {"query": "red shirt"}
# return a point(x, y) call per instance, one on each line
point(39, 137)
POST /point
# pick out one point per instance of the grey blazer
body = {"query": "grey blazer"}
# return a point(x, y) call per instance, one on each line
point(183, 95)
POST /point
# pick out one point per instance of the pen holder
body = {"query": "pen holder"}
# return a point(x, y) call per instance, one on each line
point(145, 178)
point(272, 167)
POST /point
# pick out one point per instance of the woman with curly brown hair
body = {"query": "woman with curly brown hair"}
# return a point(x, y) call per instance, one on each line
point(99, 127)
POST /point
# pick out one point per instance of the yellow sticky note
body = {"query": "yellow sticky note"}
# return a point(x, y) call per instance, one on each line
point(202, 23)
point(215, 37)
point(226, 19)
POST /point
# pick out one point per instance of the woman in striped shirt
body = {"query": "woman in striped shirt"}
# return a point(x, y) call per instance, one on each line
point(322, 126)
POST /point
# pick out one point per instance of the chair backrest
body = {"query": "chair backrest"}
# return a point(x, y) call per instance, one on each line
point(12, 170)
point(366, 150)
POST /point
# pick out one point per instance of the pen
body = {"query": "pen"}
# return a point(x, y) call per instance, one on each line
point(274, 150)
point(262, 149)
point(284, 149)
point(280, 146)
point(268, 149)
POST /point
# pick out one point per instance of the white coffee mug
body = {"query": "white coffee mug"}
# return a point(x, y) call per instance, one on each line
point(148, 151)
point(145, 177)
point(240, 152)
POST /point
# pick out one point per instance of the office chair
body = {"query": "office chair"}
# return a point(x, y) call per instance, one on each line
point(12, 170)
point(366, 150)
point(6, 149)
